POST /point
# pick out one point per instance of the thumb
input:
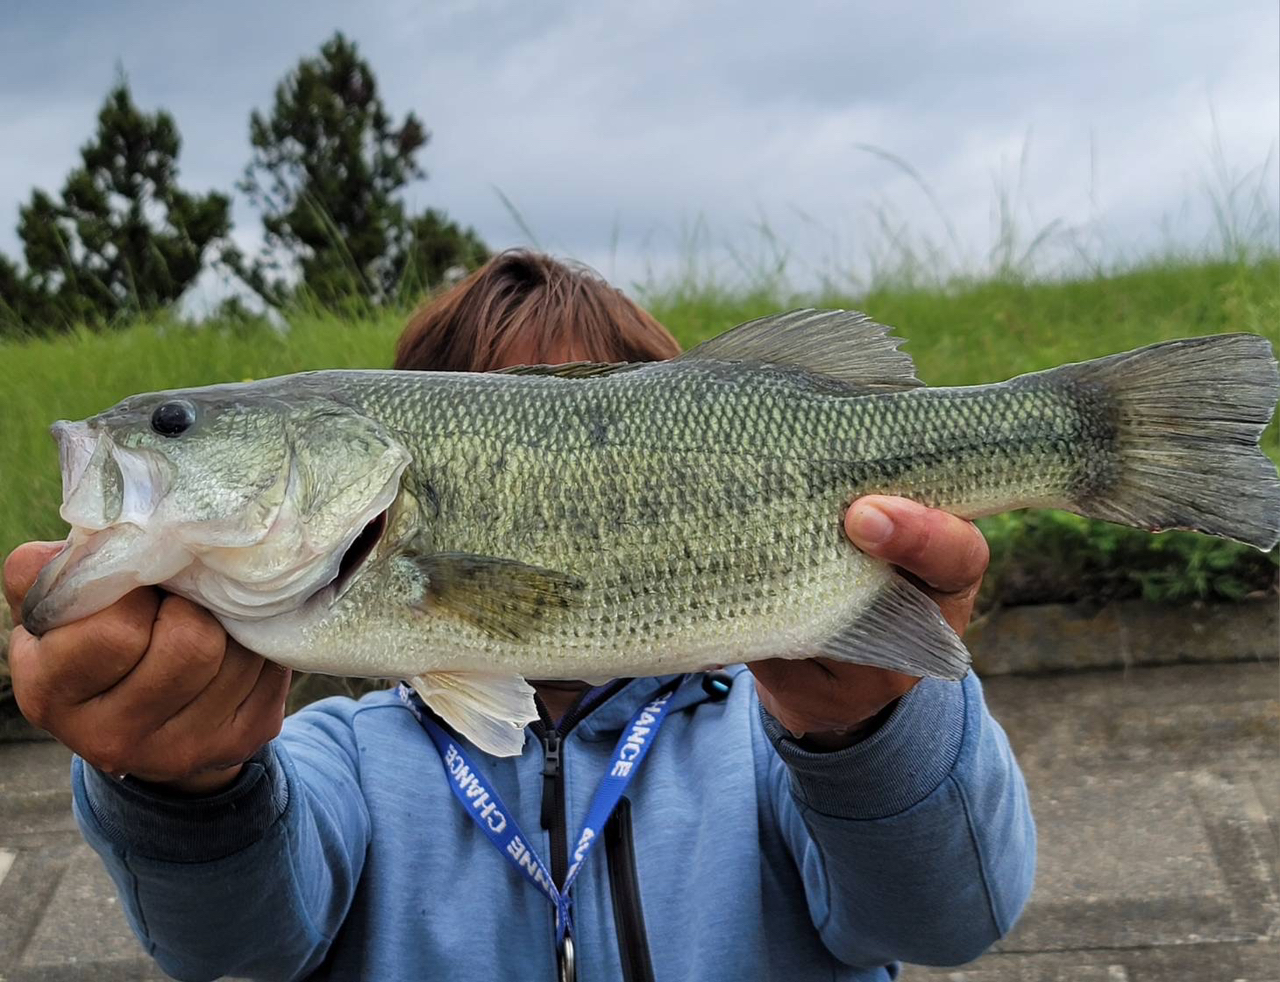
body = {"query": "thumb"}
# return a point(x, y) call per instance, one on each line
point(21, 568)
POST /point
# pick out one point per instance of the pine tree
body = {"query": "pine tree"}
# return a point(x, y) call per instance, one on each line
point(328, 167)
point(123, 238)
point(23, 310)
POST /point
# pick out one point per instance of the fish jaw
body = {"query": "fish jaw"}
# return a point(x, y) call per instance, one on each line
point(95, 569)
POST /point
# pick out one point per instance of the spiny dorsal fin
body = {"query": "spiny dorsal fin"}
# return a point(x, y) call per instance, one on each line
point(574, 369)
point(504, 598)
point(839, 344)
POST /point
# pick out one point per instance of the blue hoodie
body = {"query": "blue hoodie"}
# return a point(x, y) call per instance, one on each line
point(341, 853)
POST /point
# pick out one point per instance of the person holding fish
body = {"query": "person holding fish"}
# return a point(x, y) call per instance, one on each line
point(838, 805)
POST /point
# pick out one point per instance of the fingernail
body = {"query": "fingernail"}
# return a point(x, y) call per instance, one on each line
point(871, 525)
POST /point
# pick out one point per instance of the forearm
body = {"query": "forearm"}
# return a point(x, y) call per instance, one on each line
point(253, 881)
point(918, 840)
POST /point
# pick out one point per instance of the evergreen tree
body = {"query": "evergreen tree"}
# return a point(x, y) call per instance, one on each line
point(432, 245)
point(328, 166)
point(23, 310)
point(124, 238)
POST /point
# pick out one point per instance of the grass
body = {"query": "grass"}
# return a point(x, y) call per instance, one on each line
point(990, 330)
point(6, 628)
point(963, 332)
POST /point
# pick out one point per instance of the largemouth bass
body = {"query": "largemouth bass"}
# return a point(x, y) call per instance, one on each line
point(469, 531)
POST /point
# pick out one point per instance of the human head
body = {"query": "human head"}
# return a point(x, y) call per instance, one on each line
point(524, 307)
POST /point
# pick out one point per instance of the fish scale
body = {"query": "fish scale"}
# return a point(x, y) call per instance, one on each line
point(754, 511)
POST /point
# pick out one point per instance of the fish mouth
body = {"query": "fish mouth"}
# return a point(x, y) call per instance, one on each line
point(361, 549)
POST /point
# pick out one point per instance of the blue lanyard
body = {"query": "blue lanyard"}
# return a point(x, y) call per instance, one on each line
point(482, 803)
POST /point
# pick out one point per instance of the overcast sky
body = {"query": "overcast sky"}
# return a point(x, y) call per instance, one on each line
point(622, 132)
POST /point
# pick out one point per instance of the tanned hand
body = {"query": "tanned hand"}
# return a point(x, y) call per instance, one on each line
point(833, 703)
point(151, 687)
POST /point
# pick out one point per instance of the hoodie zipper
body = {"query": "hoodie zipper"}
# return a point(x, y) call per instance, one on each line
point(624, 885)
point(553, 805)
point(552, 737)
point(553, 817)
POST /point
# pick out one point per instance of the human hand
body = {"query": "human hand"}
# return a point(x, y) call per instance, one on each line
point(151, 686)
point(831, 702)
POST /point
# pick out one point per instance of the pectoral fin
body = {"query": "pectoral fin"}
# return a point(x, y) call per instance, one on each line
point(507, 599)
point(489, 710)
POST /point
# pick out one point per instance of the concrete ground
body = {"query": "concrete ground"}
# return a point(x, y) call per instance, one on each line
point(1156, 791)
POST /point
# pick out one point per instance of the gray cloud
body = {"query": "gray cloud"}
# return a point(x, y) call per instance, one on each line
point(615, 129)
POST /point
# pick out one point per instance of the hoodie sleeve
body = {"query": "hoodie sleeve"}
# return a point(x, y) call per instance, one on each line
point(254, 881)
point(915, 844)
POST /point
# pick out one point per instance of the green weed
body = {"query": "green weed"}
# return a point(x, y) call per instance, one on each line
point(960, 333)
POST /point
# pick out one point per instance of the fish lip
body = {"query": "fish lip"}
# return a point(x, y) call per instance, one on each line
point(93, 570)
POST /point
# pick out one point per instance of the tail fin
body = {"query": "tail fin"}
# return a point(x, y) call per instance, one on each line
point(1188, 416)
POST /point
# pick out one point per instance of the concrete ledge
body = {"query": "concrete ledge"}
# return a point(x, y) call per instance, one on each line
point(1194, 962)
point(1072, 637)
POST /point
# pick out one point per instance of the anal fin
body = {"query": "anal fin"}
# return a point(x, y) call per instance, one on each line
point(489, 709)
point(901, 630)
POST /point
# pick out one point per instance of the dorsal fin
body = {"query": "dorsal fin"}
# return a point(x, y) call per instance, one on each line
point(573, 369)
point(843, 345)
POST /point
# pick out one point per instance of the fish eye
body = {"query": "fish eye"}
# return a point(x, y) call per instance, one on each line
point(173, 418)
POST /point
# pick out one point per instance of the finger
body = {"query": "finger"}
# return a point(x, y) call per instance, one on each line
point(36, 702)
point(201, 736)
point(215, 706)
point(237, 714)
point(81, 660)
point(263, 711)
point(822, 695)
point(946, 552)
point(183, 658)
point(190, 740)
point(21, 567)
point(791, 693)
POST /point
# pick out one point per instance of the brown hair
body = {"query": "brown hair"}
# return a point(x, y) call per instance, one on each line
point(527, 301)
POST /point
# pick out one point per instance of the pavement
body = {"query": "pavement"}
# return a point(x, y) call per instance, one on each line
point(1156, 793)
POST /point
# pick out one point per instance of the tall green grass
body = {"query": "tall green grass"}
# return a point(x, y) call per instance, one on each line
point(963, 332)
